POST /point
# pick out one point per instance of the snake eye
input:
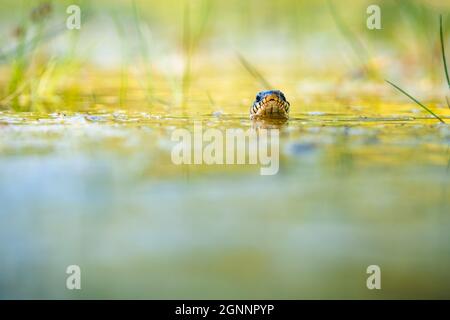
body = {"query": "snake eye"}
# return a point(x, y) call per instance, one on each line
point(258, 97)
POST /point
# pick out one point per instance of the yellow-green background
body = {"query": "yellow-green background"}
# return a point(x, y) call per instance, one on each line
point(86, 176)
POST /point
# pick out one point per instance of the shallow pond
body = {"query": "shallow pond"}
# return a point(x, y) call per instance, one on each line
point(98, 189)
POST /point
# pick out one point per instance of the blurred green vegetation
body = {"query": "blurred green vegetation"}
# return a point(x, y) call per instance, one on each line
point(160, 50)
point(86, 176)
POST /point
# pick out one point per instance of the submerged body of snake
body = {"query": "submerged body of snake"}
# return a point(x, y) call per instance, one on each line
point(270, 104)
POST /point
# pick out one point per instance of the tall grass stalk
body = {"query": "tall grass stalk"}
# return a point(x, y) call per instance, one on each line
point(441, 33)
point(358, 49)
point(420, 17)
point(32, 82)
point(193, 31)
point(416, 101)
point(254, 72)
point(125, 57)
point(144, 52)
point(187, 53)
point(21, 57)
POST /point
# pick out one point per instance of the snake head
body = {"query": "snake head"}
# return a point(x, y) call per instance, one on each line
point(270, 104)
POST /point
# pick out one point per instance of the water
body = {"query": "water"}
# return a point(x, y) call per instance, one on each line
point(98, 189)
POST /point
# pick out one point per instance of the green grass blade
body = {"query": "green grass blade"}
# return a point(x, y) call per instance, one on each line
point(358, 48)
point(443, 51)
point(416, 101)
point(144, 50)
point(254, 72)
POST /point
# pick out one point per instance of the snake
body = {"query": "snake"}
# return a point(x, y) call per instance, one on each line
point(270, 104)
